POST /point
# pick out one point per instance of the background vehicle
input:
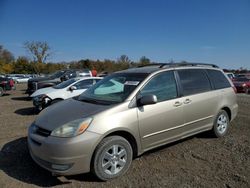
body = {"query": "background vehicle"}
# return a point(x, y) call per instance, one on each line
point(56, 78)
point(242, 84)
point(22, 79)
point(151, 106)
point(67, 89)
point(230, 75)
point(5, 85)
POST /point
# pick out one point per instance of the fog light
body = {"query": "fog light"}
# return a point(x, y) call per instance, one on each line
point(61, 166)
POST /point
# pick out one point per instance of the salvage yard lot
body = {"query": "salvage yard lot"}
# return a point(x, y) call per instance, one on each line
point(199, 161)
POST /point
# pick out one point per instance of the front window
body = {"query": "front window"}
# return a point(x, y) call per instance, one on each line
point(65, 83)
point(163, 86)
point(114, 88)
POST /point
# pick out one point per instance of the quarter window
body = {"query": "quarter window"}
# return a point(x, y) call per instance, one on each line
point(163, 86)
point(218, 79)
point(194, 81)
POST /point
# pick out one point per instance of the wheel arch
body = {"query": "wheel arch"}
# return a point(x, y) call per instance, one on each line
point(228, 111)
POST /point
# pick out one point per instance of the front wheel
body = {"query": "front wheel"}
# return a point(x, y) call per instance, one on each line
point(221, 124)
point(112, 158)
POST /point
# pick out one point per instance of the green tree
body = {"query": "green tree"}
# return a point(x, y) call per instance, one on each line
point(6, 60)
point(23, 66)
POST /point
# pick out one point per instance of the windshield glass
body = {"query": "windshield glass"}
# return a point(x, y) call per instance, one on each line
point(57, 74)
point(113, 89)
point(65, 83)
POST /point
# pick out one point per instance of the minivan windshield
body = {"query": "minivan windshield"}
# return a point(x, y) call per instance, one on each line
point(65, 83)
point(113, 89)
point(57, 74)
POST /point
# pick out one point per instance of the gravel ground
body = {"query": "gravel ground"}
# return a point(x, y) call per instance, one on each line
point(199, 161)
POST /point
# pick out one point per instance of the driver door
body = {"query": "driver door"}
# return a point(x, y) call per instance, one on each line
point(158, 123)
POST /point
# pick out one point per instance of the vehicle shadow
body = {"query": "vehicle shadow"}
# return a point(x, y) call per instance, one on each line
point(15, 161)
point(5, 94)
point(26, 111)
point(21, 98)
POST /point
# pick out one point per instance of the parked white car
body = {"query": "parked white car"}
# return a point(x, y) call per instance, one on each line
point(67, 89)
point(22, 79)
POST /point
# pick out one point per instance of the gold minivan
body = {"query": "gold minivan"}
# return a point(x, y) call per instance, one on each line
point(129, 113)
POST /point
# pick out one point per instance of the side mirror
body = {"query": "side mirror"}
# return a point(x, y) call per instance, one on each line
point(147, 100)
point(72, 88)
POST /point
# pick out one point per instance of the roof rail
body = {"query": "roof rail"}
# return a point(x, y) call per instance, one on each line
point(187, 64)
point(151, 64)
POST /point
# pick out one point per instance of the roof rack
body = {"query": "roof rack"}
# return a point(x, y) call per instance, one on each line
point(187, 64)
point(151, 64)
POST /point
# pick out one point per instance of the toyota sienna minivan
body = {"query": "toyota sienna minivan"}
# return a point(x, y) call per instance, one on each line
point(129, 113)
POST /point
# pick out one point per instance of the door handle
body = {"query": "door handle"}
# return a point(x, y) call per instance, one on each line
point(187, 101)
point(177, 103)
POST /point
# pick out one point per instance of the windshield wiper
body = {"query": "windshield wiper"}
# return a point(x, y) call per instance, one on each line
point(94, 101)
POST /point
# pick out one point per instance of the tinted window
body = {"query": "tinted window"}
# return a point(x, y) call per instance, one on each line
point(218, 79)
point(163, 85)
point(194, 81)
point(65, 83)
point(84, 84)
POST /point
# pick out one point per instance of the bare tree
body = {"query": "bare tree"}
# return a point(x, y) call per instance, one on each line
point(39, 50)
point(123, 59)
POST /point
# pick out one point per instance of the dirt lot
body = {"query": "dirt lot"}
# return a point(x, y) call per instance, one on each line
point(200, 161)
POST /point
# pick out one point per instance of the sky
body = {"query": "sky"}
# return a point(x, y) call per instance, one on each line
point(208, 31)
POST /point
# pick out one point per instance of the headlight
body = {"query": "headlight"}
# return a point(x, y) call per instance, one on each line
point(40, 97)
point(244, 85)
point(72, 128)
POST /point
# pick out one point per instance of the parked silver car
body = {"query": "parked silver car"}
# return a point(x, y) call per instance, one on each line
point(129, 113)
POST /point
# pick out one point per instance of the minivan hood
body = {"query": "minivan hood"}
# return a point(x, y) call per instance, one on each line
point(65, 111)
point(42, 91)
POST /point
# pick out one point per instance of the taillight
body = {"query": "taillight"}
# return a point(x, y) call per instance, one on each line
point(234, 88)
point(4, 82)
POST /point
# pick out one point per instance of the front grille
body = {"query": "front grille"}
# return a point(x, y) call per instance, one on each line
point(42, 132)
point(34, 85)
point(30, 85)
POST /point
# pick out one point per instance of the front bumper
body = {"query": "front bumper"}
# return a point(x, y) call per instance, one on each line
point(41, 103)
point(74, 153)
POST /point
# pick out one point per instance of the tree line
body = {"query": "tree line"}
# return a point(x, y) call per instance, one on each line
point(39, 52)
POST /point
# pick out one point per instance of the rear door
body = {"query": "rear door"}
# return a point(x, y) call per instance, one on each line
point(199, 100)
point(158, 123)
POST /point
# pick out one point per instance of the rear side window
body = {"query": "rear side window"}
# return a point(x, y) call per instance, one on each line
point(194, 81)
point(84, 84)
point(218, 79)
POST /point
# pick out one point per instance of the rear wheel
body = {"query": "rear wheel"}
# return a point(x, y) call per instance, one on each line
point(1, 91)
point(112, 158)
point(221, 124)
point(247, 91)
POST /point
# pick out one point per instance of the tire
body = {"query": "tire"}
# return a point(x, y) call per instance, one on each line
point(247, 91)
point(1, 91)
point(221, 124)
point(112, 158)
